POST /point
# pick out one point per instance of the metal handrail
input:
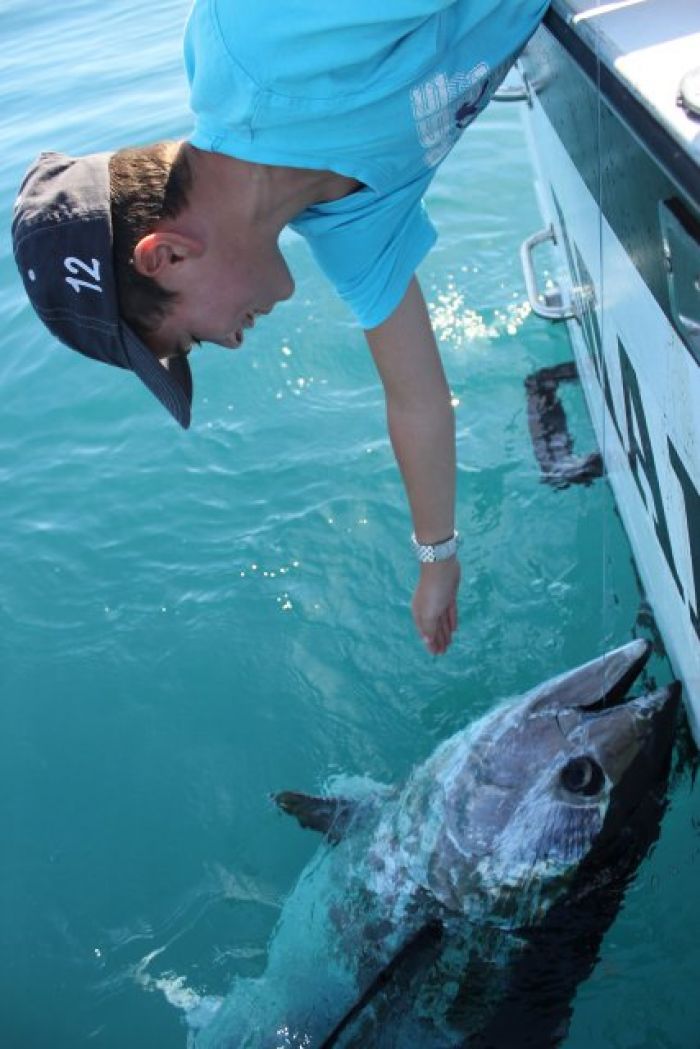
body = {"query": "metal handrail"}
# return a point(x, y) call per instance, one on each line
point(545, 304)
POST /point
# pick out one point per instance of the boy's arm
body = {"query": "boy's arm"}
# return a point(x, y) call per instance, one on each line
point(422, 432)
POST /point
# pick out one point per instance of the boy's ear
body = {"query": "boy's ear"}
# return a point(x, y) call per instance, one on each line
point(157, 253)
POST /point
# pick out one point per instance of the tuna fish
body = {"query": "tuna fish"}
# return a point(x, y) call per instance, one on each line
point(464, 908)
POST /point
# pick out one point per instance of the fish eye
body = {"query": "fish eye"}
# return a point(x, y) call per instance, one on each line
point(582, 775)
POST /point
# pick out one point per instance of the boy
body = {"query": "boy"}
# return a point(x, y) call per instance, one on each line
point(331, 119)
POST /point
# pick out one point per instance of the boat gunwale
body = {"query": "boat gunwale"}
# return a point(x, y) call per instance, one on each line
point(666, 150)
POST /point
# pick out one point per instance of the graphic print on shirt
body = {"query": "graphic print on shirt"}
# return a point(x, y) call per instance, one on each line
point(444, 105)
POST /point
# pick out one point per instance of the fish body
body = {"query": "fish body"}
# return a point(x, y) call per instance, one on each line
point(464, 908)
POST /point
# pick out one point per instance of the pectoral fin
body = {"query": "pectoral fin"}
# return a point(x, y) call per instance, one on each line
point(329, 816)
point(418, 950)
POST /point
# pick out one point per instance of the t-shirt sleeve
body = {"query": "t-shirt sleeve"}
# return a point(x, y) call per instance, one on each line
point(369, 247)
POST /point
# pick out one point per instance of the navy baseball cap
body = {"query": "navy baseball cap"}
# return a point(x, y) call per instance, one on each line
point(62, 238)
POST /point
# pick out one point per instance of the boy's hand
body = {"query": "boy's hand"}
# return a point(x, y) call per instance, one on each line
point(435, 604)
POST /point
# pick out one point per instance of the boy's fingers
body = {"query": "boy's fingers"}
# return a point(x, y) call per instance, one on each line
point(438, 639)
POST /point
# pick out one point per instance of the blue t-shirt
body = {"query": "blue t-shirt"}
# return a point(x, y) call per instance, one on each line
point(378, 92)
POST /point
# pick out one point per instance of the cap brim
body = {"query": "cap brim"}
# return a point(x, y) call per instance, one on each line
point(170, 382)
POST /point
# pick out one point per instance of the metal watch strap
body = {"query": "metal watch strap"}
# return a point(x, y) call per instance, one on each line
point(427, 553)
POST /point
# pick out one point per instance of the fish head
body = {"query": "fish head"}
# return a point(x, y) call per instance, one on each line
point(570, 775)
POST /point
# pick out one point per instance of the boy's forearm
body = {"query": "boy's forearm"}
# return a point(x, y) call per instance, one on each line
point(423, 439)
point(419, 414)
point(422, 430)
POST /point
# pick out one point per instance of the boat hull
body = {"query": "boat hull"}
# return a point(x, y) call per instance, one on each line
point(605, 183)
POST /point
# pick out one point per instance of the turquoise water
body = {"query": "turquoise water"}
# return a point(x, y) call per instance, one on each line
point(191, 621)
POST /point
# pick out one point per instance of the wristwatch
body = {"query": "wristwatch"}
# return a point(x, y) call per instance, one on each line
point(427, 553)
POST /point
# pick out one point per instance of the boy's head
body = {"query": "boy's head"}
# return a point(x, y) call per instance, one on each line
point(76, 224)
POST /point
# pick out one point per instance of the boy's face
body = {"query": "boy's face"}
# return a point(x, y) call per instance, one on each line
point(220, 293)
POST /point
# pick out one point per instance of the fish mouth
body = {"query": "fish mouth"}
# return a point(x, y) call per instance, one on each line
point(593, 709)
point(605, 684)
point(601, 683)
point(654, 714)
point(598, 690)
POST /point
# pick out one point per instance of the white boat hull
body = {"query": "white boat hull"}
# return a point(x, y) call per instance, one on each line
point(642, 387)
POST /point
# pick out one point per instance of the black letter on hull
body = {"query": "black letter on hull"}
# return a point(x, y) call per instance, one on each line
point(691, 498)
point(641, 457)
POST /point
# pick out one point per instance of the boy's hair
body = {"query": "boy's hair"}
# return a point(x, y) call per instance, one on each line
point(147, 184)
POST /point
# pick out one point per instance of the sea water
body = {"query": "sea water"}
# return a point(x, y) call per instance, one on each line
point(189, 621)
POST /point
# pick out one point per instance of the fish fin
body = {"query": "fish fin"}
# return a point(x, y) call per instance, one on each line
point(329, 816)
point(424, 942)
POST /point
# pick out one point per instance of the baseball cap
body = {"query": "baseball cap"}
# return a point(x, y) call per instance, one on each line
point(62, 239)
